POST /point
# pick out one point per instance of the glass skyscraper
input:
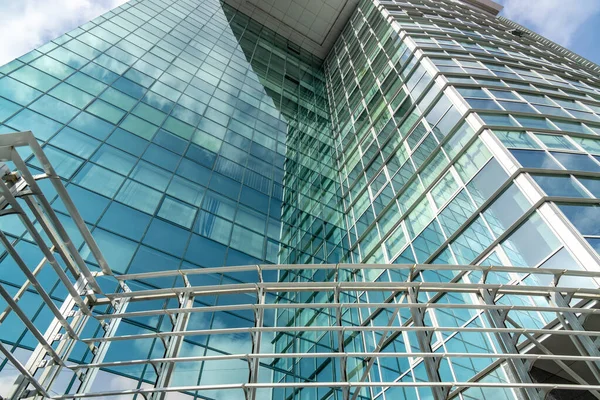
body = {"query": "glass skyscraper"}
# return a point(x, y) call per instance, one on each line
point(405, 208)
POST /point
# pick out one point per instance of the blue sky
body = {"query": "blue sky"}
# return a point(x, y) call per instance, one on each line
point(574, 24)
point(27, 24)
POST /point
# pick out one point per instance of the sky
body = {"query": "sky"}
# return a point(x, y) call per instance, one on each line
point(574, 24)
point(27, 24)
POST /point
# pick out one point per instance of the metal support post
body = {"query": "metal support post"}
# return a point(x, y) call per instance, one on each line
point(424, 340)
point(254, 363)
point(36, 360)
point(557, 360)
point(517, 368)
point(110, 330)
point(173, 345)
point(340, 335)
point(584, 344)
point(380, 344)
point(25, 376)
point(69, 205)
point(8, 195)
point(35, 283)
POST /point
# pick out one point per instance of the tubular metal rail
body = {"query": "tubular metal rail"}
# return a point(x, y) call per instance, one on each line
point(527, 317)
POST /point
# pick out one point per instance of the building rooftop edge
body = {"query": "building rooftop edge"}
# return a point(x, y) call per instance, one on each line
point(486, 5)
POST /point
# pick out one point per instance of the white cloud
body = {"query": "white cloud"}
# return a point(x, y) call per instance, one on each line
point(27, 24)
point(558, 20)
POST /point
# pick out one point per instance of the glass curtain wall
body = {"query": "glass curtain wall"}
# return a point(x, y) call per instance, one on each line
point(175, 126)
point(458, 142)
point(189, 135)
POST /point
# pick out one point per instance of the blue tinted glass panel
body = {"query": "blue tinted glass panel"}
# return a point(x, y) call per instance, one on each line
point(117, 250)
point(128, 142)
point(139, 196)
point(149, 260)
point(7, 108)
point(42, 128)
point(151, 175)
point(170, 141)
point(177, 212)
point(17, 91)
point(585, 218)
point(559, 186)
point(57, 109)
point(75, 142)
point(92, 125)
point(595, 243)
point(213, 227)
point(506, 209)
point(487, 181)
point(167, 237)
point(593, 185)
point(472, 241)
point(99, 180)
point(247, 241)
point(535, 159)
point(64, 163)
point(161, 157)
point(530, 243)
point(90, 205)
point(577, 162)
point(456, 213)
point(205, 252)
point(125, 221)
point(185, 190)
point(428, 241)
point(114, 159)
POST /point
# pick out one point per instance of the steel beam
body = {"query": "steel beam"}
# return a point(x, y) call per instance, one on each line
point(26, 376)
point(30, 326)
point(172, 348)
point(69, 205)
point(38, 287)
point(8, 195)
point(517, 368)
point(584, 344)
point(254, 364)
point(355, 385)
point(559, 360)
point(362, 354)
point(424, 341)
point(109, 331)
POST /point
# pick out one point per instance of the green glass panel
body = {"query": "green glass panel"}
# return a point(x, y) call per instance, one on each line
point(35, 78)
point(139, 127)
point(71, 95)
point(104, 110)
point(149, 113)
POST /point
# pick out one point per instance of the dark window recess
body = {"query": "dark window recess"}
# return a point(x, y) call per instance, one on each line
point(517, 32)
point(293, 47)
point(292, 79)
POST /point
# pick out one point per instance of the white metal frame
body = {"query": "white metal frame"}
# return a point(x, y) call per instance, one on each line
point(21, 195)
point(569, 303)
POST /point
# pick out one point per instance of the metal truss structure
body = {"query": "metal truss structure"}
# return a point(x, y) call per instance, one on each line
point(561, 306)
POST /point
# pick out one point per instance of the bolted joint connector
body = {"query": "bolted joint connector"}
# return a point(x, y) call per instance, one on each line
point(28, 393)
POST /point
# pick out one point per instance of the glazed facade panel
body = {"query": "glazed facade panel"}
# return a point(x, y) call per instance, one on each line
point(191, 136)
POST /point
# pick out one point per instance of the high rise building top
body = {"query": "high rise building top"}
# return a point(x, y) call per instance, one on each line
point(487, 5)
point(365, 200)
point(315, 25)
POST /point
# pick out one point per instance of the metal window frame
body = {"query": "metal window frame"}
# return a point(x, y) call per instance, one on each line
point(21, 193)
